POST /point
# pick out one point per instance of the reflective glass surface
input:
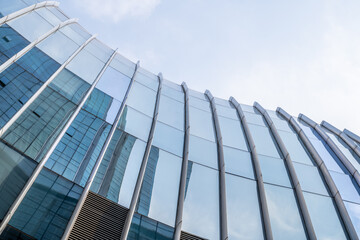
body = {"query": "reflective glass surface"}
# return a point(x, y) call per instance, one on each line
point(284, 213)
point(226, 112)
point(146, 228)
point(346, 187)
point(254, 118)
point(7, 8)
point(232, 133)
point(244, 219)
point(169, 139)
point(274, 171)
point(201, 204)
point(324, 217)
point(172, 93)
point(142, 99)
point(76, 33)
point(295, 148)
point(354, 212)
point(247, 108)
point(147, 78)
point(118, 172)
point(201, 123)
point(238, 162)
point(135, 123)
point(171, 112)
point(197, 94)
point(200, 104)
point(15, 170)
point(160, 188)
point(263, 141)
point(47, 207)
point(197, 153)
point(310, 179)
point(123, 65)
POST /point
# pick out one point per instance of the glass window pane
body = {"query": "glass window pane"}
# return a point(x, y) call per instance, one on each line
point(263, 141)
point(113, 83)
point(135, 123)
point(201, 204)
point(232, 133)
point(25, 25)
point(160, 188)
point(254, 119)
point(171, 93)
point(58, 46)
point(76, 33)
point(247, 108)
point(284, 213)
point(100, 50)
point(295, 148)
point(15, 170)
point(197, 94)
point(274, 171)
point(227, 112)
point(142, 99)
point(354, 212)
point(200, 104)
point(310, 179)
point(324, 217)
point(201, 123)
point(197, 153)
point(48, 16)
point(171, 112)
point(346, 187)
point(147, 78)
point(169, 139)
point(123, 65)
point(243, 212)
point(222, 102)
point(238, 162)
point(8, 7)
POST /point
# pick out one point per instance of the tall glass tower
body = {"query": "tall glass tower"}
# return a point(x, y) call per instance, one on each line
point(92, 146)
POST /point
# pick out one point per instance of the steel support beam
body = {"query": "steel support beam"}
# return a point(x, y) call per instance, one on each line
point(26, 10)
point(352, 135)
point(141, 175)
point(14, 58)
point(91, 178)
point(42, 162)
point(351, 169)
point(221, 164)
point(184, 167)
point(291, 170)
point(42, 88)
point(257, 169)
point(339, 204)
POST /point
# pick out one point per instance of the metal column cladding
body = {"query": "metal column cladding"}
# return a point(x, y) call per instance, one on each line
point(179, 211)
point(352, 170)
point(42, 88)
point(324, 172)
point(256, 165)
point(86, 190)
point(28, 9)
point(42, 162)
point(222, 190)
point(140, 178)
point(290, 167)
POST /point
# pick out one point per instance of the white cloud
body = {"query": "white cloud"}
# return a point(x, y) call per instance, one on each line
point(114, 10)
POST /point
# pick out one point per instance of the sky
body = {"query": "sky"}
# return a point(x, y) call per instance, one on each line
point(303, 56)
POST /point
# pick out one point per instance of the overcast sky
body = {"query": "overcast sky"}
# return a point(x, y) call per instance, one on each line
point(303, 56)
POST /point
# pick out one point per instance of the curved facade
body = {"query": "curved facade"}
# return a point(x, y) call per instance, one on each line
point(92, 146)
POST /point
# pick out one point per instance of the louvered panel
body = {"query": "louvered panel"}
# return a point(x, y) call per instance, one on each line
point(188, 236)
point(99, 218)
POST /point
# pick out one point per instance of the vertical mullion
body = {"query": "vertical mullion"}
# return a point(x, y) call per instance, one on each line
point(339, 204)
point(221, 164)
point(257, 170)
point(42, 162)
point(291, 170)
point(91, 178)
point(141, 175)
point(180, 205)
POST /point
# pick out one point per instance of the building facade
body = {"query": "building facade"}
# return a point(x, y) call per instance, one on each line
point(92, 146)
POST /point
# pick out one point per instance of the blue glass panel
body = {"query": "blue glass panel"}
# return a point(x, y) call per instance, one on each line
point(232, 133)
point(47, 207)
point(8, 7)
point(201, 204)
point(274, 171)
point(201, 123)
point(197, 153)
point(324, 217)
point(21, 80)
point(238, 162)
point(159, 190)
point(171, 112)
point(142, 99)
point(169, 139)
point(347, 187)
point(78, 146)
point(243, 212)
point(36, 129)
point(284, 213)
point(146, 228)
point(98, 104)
point(11, 42)
point(264, 141)
point(15, 170)
point(354, 212)
point(118, 172)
